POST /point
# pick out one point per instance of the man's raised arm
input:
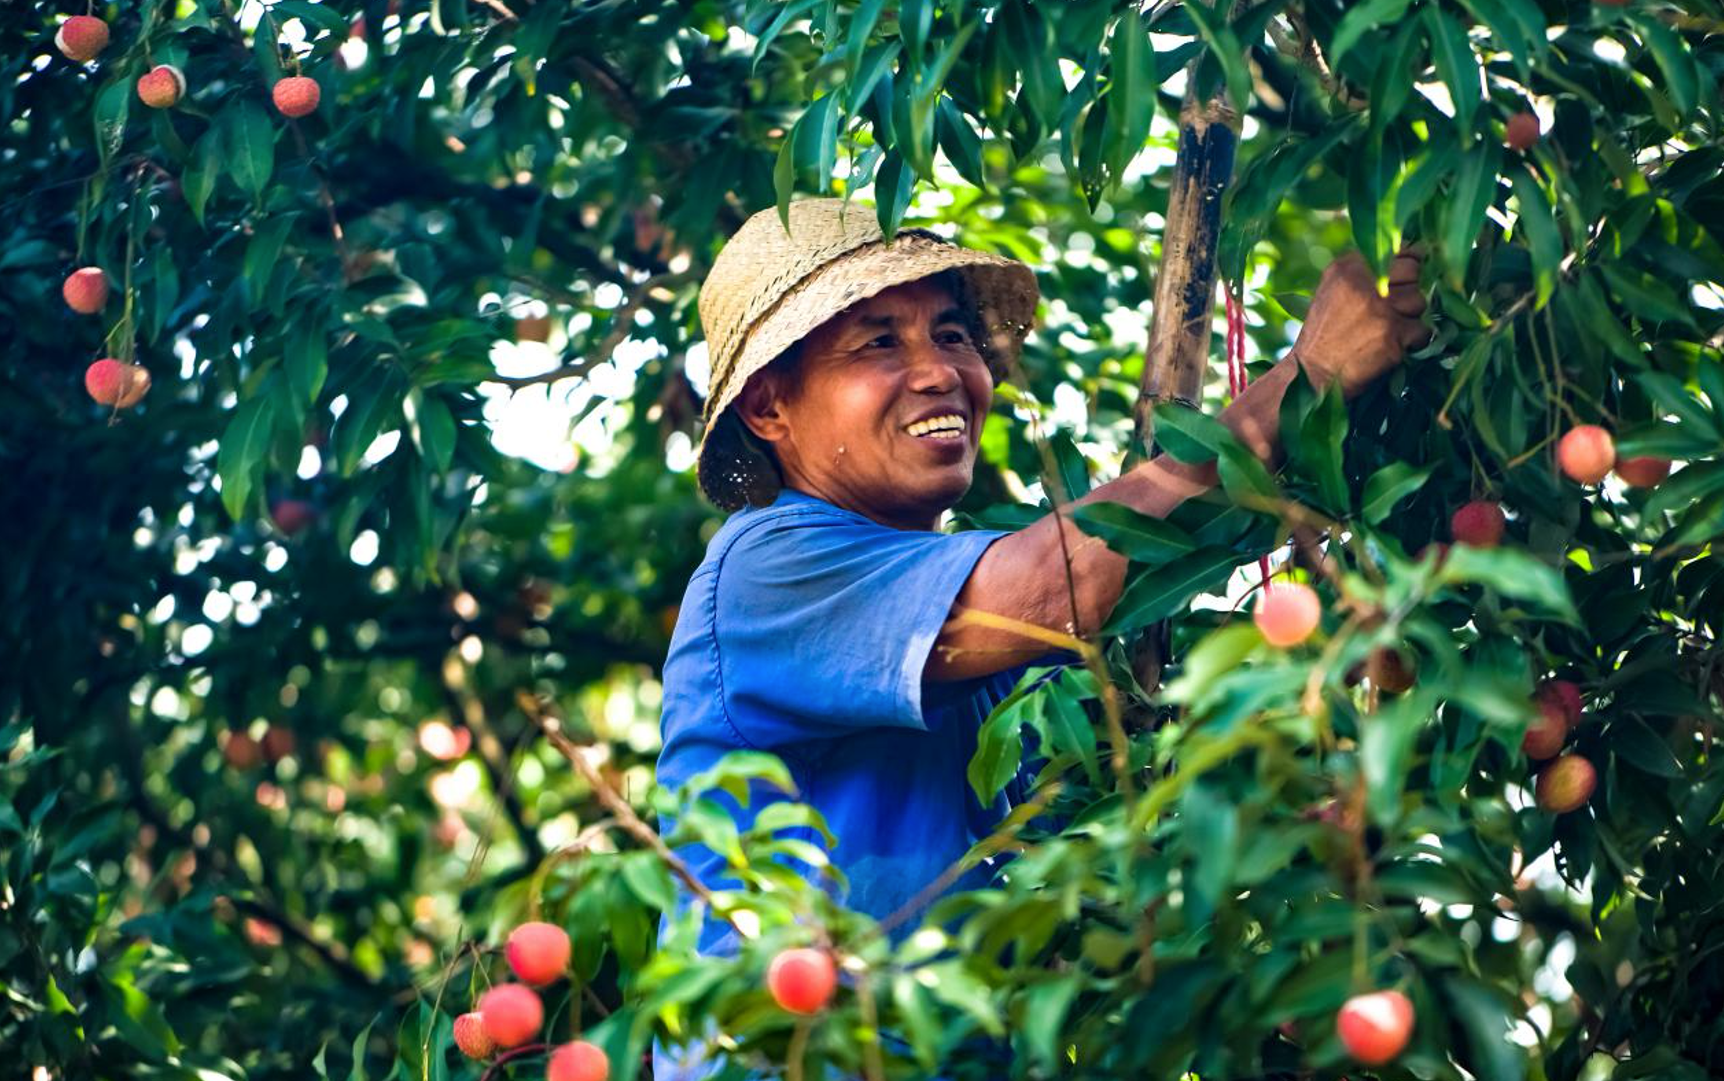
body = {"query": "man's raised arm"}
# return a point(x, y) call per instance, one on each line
point(1352, 334)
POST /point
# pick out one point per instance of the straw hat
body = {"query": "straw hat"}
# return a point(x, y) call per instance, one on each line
point(768, 289)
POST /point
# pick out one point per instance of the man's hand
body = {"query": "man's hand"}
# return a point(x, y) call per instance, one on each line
point(1354, 335)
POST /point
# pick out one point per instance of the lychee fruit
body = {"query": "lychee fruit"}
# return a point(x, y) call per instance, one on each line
point(162, 86)
point(292, 516)
point(471, 1037)
point(1288, 614)
point(1644, 471)
point(297, 95)
point(578, 1061)
point(1586, 453)
point(1521, 131)
point(278, 742)
point(802, 980)
point(511, 1013)
point(538, 952)
point(1566, 784)
point(86, 290)
point(1374, 1028)
point(116, 383)
point(1547, 733)
point(1390, 670)
point(1479, 523)
point(241, 751)
point(82, 38)
point(1565, 695)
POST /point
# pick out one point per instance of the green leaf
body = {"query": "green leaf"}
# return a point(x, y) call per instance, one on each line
point(1392, 83)
point(999, 748)
point(1474, 191)
point(371, 402)
point(433, 430)
point(960, 142)
point(1538, 223)
point(263, 251)
point(1457, 65)
point(1646, 296)
point(113, 102)
point(307, 358)
point(1389, 485)
point(1512, 573)
point(1166, 590)
point(199, 177)
point(1321, 438)
point(1484, 1017)
point(1131, 533)
point(1224, 46)
point(357, 1072)
point(1677, 65)
point(1362, 18)
point(1029, 48)
point(1633, 740)
point(894, 184)
point(1188, 434)
point(1131, 90)
point(243, 447)
point(247, 146)
point(1246, 479)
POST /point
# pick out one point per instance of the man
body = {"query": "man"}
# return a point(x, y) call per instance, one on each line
point(851, 379)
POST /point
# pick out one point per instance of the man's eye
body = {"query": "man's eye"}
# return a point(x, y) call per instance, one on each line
point(884, 341)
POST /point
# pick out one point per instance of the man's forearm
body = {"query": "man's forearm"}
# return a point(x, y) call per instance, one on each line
point(1023, 576)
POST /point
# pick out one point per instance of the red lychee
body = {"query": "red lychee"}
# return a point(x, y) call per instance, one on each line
point(1521, 131)
point(1546, 734)
point(1375, 1028)
point(538, 952)
point(1390, 670)
point(1644, 471)
point(162, 86)
point(578, 1061)
point(1479, 523)
point(512, 1014)
point(86, 290)
point(116, 383)
point(241, 751)
point(82, 37)
point(802, 980)
point(278, 742)
point(297, 95)
point(471, 1037)
point(1288, 614)
point(292, 516)
point(1566, 696)
point(1566, 784)
point(1586, 453)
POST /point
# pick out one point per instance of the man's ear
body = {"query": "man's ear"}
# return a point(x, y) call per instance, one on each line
point(760, 406)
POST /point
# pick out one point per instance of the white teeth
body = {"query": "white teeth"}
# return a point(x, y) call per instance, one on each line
point(950, 426)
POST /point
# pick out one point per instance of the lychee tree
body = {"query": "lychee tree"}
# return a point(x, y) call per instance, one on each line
point(311, 695)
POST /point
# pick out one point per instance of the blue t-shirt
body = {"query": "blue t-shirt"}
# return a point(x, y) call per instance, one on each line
point(804, 633)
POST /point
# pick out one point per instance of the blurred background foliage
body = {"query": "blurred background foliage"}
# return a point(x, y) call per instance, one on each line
point(416, 469)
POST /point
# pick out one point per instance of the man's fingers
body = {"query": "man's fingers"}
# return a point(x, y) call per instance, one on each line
point(1403, 270)
point(1406, 300)
point(1414, 335)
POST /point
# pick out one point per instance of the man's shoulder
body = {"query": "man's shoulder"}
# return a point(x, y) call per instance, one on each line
point(785, 517)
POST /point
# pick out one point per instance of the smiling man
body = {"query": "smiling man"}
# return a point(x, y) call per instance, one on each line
point(851, 379)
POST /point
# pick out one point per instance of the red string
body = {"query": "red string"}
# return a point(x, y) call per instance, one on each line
point(1237, 377)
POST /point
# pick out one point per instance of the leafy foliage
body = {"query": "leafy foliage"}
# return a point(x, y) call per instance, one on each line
point(270, 774)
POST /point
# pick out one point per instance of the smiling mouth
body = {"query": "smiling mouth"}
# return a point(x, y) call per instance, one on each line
point(948, 428)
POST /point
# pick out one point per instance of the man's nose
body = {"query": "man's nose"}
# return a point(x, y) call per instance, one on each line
point(932, 369)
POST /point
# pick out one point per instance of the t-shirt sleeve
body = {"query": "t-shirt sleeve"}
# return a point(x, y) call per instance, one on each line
point(824, 621)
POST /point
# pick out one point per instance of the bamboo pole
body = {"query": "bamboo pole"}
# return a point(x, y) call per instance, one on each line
point(1178, 354)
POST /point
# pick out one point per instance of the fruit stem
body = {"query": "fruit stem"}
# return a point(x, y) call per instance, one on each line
point(518, 1052)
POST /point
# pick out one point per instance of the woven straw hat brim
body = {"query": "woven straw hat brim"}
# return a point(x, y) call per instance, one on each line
point(1001, 292)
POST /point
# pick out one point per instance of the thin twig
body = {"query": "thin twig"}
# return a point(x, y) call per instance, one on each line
point(626, 817)
point(621, 326)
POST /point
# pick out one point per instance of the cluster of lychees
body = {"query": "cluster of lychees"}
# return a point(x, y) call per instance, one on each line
point(510, 1016)
point(81, 38)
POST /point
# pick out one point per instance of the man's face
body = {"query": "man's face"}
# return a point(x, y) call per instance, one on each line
point(856, 429)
